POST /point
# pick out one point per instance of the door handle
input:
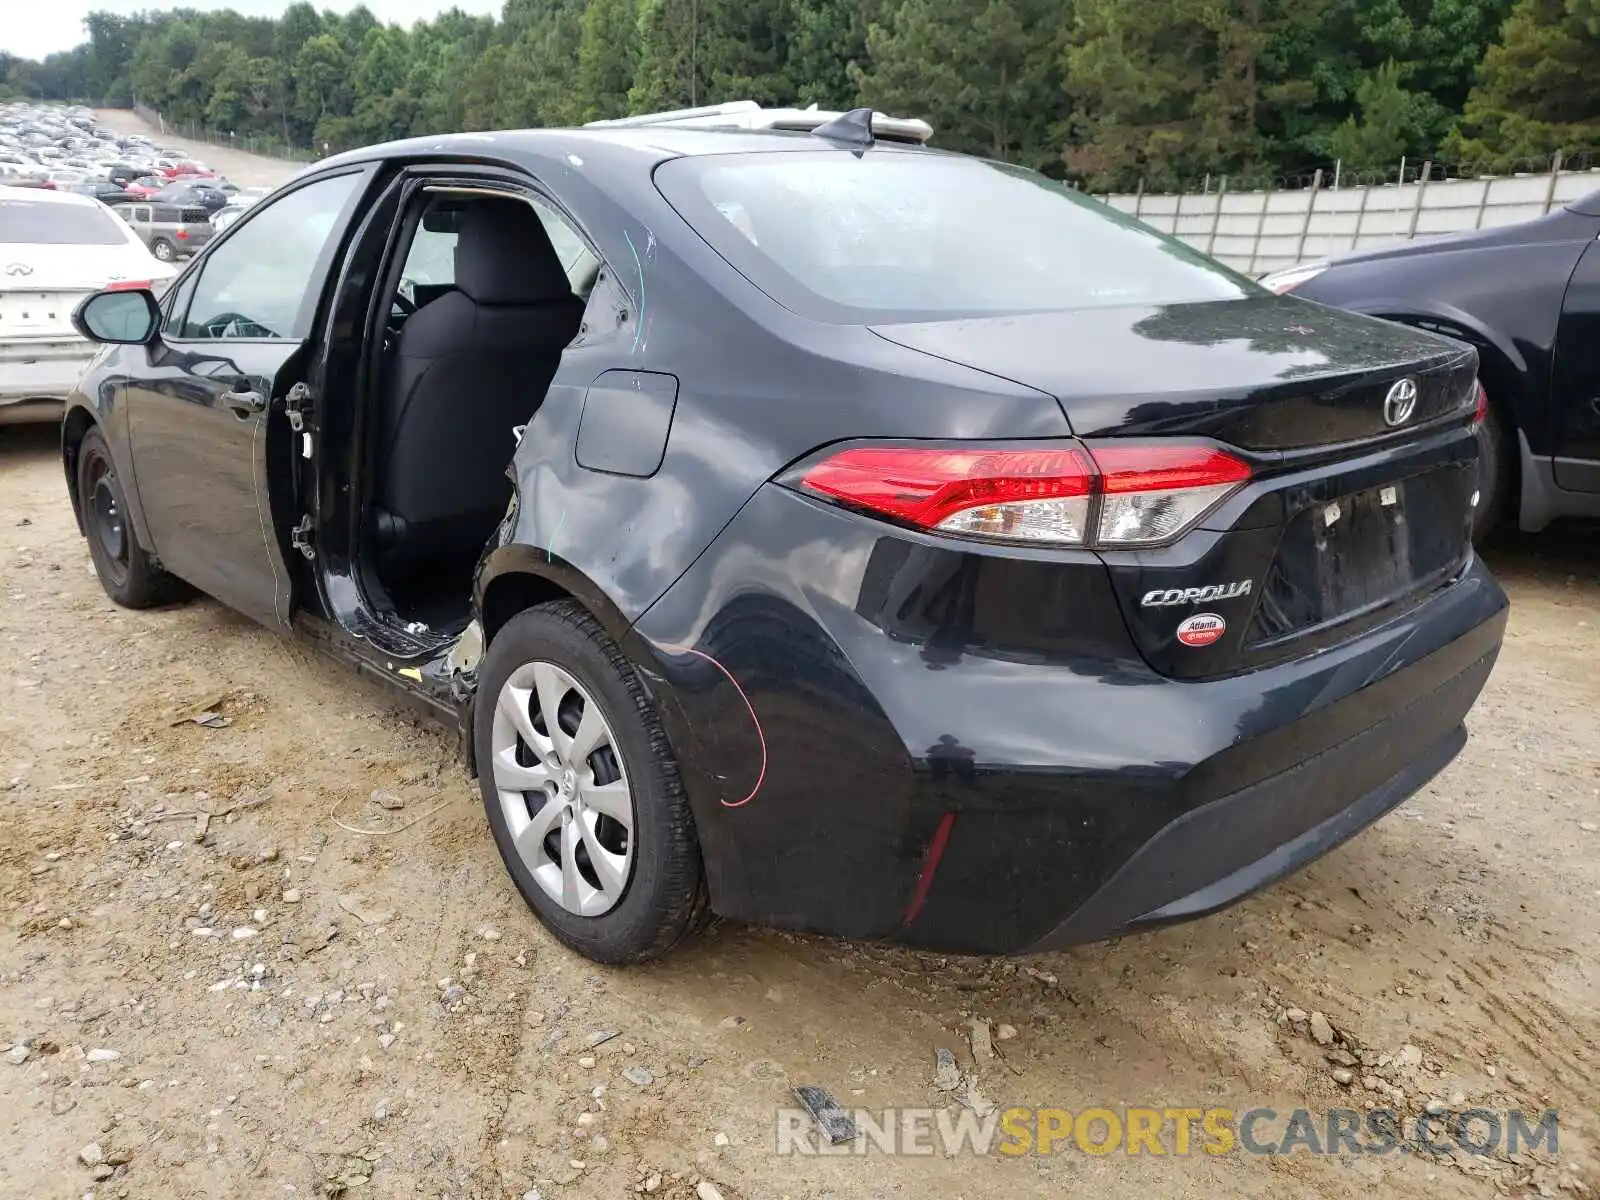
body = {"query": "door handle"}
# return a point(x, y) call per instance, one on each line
point(244, 404)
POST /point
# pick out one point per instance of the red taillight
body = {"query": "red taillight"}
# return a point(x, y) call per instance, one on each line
point(126, 285)
point(1154, 468)
point(1137, 493)
point(925, 487)
point(182, 234)
point(1481, 413)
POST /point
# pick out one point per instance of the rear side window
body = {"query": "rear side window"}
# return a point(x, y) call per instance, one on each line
point(42, 223)
point(431, 260)
point(913, 235)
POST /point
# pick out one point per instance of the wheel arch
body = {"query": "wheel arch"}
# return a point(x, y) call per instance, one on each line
point(75, 426)
point(516, 577)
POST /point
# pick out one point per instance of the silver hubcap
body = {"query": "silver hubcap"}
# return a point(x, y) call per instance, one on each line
point(563, 789)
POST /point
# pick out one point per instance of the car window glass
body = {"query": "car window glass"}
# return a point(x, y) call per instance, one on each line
point(178, 306)
point(52, 223)
point(254, 284)
point(580, 263)
point(431, 259)
point(912, 236)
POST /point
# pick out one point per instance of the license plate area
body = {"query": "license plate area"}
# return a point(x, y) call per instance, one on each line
point(1365, 550)
point(37, 312)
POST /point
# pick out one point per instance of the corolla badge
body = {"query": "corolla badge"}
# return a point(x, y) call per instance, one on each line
point(1400, 403)
point(1171, 597)
point(18, 269)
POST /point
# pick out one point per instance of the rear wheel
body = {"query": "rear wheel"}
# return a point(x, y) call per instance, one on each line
point(128, 573)
point(163, 249)
point(582, 791)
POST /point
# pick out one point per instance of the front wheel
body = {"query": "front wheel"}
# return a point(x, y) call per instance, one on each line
point(582, 791)
point(129, 575)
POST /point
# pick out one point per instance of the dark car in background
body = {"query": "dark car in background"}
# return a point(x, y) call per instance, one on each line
point(807, 526)
point(1527, 297)
point(191, 194)
point(102, 190)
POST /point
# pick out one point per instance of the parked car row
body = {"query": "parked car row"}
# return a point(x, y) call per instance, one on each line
point(63, 148)
point(65, 180)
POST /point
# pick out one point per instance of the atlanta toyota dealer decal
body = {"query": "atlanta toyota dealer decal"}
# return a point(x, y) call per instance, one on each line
point(1201, 629)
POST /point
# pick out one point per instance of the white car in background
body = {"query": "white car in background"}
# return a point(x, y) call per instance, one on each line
point(55, 249)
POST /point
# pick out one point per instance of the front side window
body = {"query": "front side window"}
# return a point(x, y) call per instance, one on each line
point(255, 284)
point(915, 235)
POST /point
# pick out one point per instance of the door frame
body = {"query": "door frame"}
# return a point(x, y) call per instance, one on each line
point(336, 479)
point(279, 496)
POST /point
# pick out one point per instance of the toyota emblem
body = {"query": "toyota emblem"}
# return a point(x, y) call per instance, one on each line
point(1400, 403)
point(18, 269)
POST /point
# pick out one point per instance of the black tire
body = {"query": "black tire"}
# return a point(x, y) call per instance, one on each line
point(130, 576)
point(164, 250)
point(1497, 474)
point(665, 897)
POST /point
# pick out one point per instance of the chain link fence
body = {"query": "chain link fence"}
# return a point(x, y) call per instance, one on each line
point(1326, 213)
point(265, 144)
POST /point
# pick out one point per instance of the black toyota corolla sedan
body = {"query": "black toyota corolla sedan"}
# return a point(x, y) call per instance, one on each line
point(811, 527)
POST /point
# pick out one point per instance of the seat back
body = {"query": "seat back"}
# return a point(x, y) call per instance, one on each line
point(466, 369)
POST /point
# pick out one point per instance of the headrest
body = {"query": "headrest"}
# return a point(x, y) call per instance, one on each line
point(504, 255)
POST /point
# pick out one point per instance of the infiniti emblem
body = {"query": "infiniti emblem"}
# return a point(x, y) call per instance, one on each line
point(18, 269)
point(1401, 402)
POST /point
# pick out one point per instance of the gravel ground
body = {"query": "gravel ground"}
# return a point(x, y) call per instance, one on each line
point(293, 1006)
point(211, 985)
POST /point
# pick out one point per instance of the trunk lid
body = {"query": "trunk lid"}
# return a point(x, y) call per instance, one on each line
point(1350, 515)
point(1262, 373)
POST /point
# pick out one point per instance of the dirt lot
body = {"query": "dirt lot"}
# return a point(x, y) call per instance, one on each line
point(274, 986)
point(266, 1002)
point(246, 170)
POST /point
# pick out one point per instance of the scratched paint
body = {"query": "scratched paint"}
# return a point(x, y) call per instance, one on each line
point(750, 708)
point(638, 325)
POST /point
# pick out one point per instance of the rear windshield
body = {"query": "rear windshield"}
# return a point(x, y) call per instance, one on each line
point(42, 223)
point(897, 235)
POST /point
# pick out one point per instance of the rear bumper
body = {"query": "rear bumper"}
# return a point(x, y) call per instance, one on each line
point(42, 371)
point(1219, 853)
point(911, 771)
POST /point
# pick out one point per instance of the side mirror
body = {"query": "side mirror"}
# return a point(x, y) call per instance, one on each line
point(126, 316)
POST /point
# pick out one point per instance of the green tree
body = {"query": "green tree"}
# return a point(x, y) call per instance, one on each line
point(1394, 121)
point(321, 74)
point(608, 55)
point(828, 43)
point(1537, 90)
point(985, 73)
point(671, 70)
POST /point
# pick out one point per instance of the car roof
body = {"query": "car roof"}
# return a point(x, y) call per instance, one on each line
point(651, 143)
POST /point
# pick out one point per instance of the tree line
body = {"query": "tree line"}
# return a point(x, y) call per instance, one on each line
point(1105, 92)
